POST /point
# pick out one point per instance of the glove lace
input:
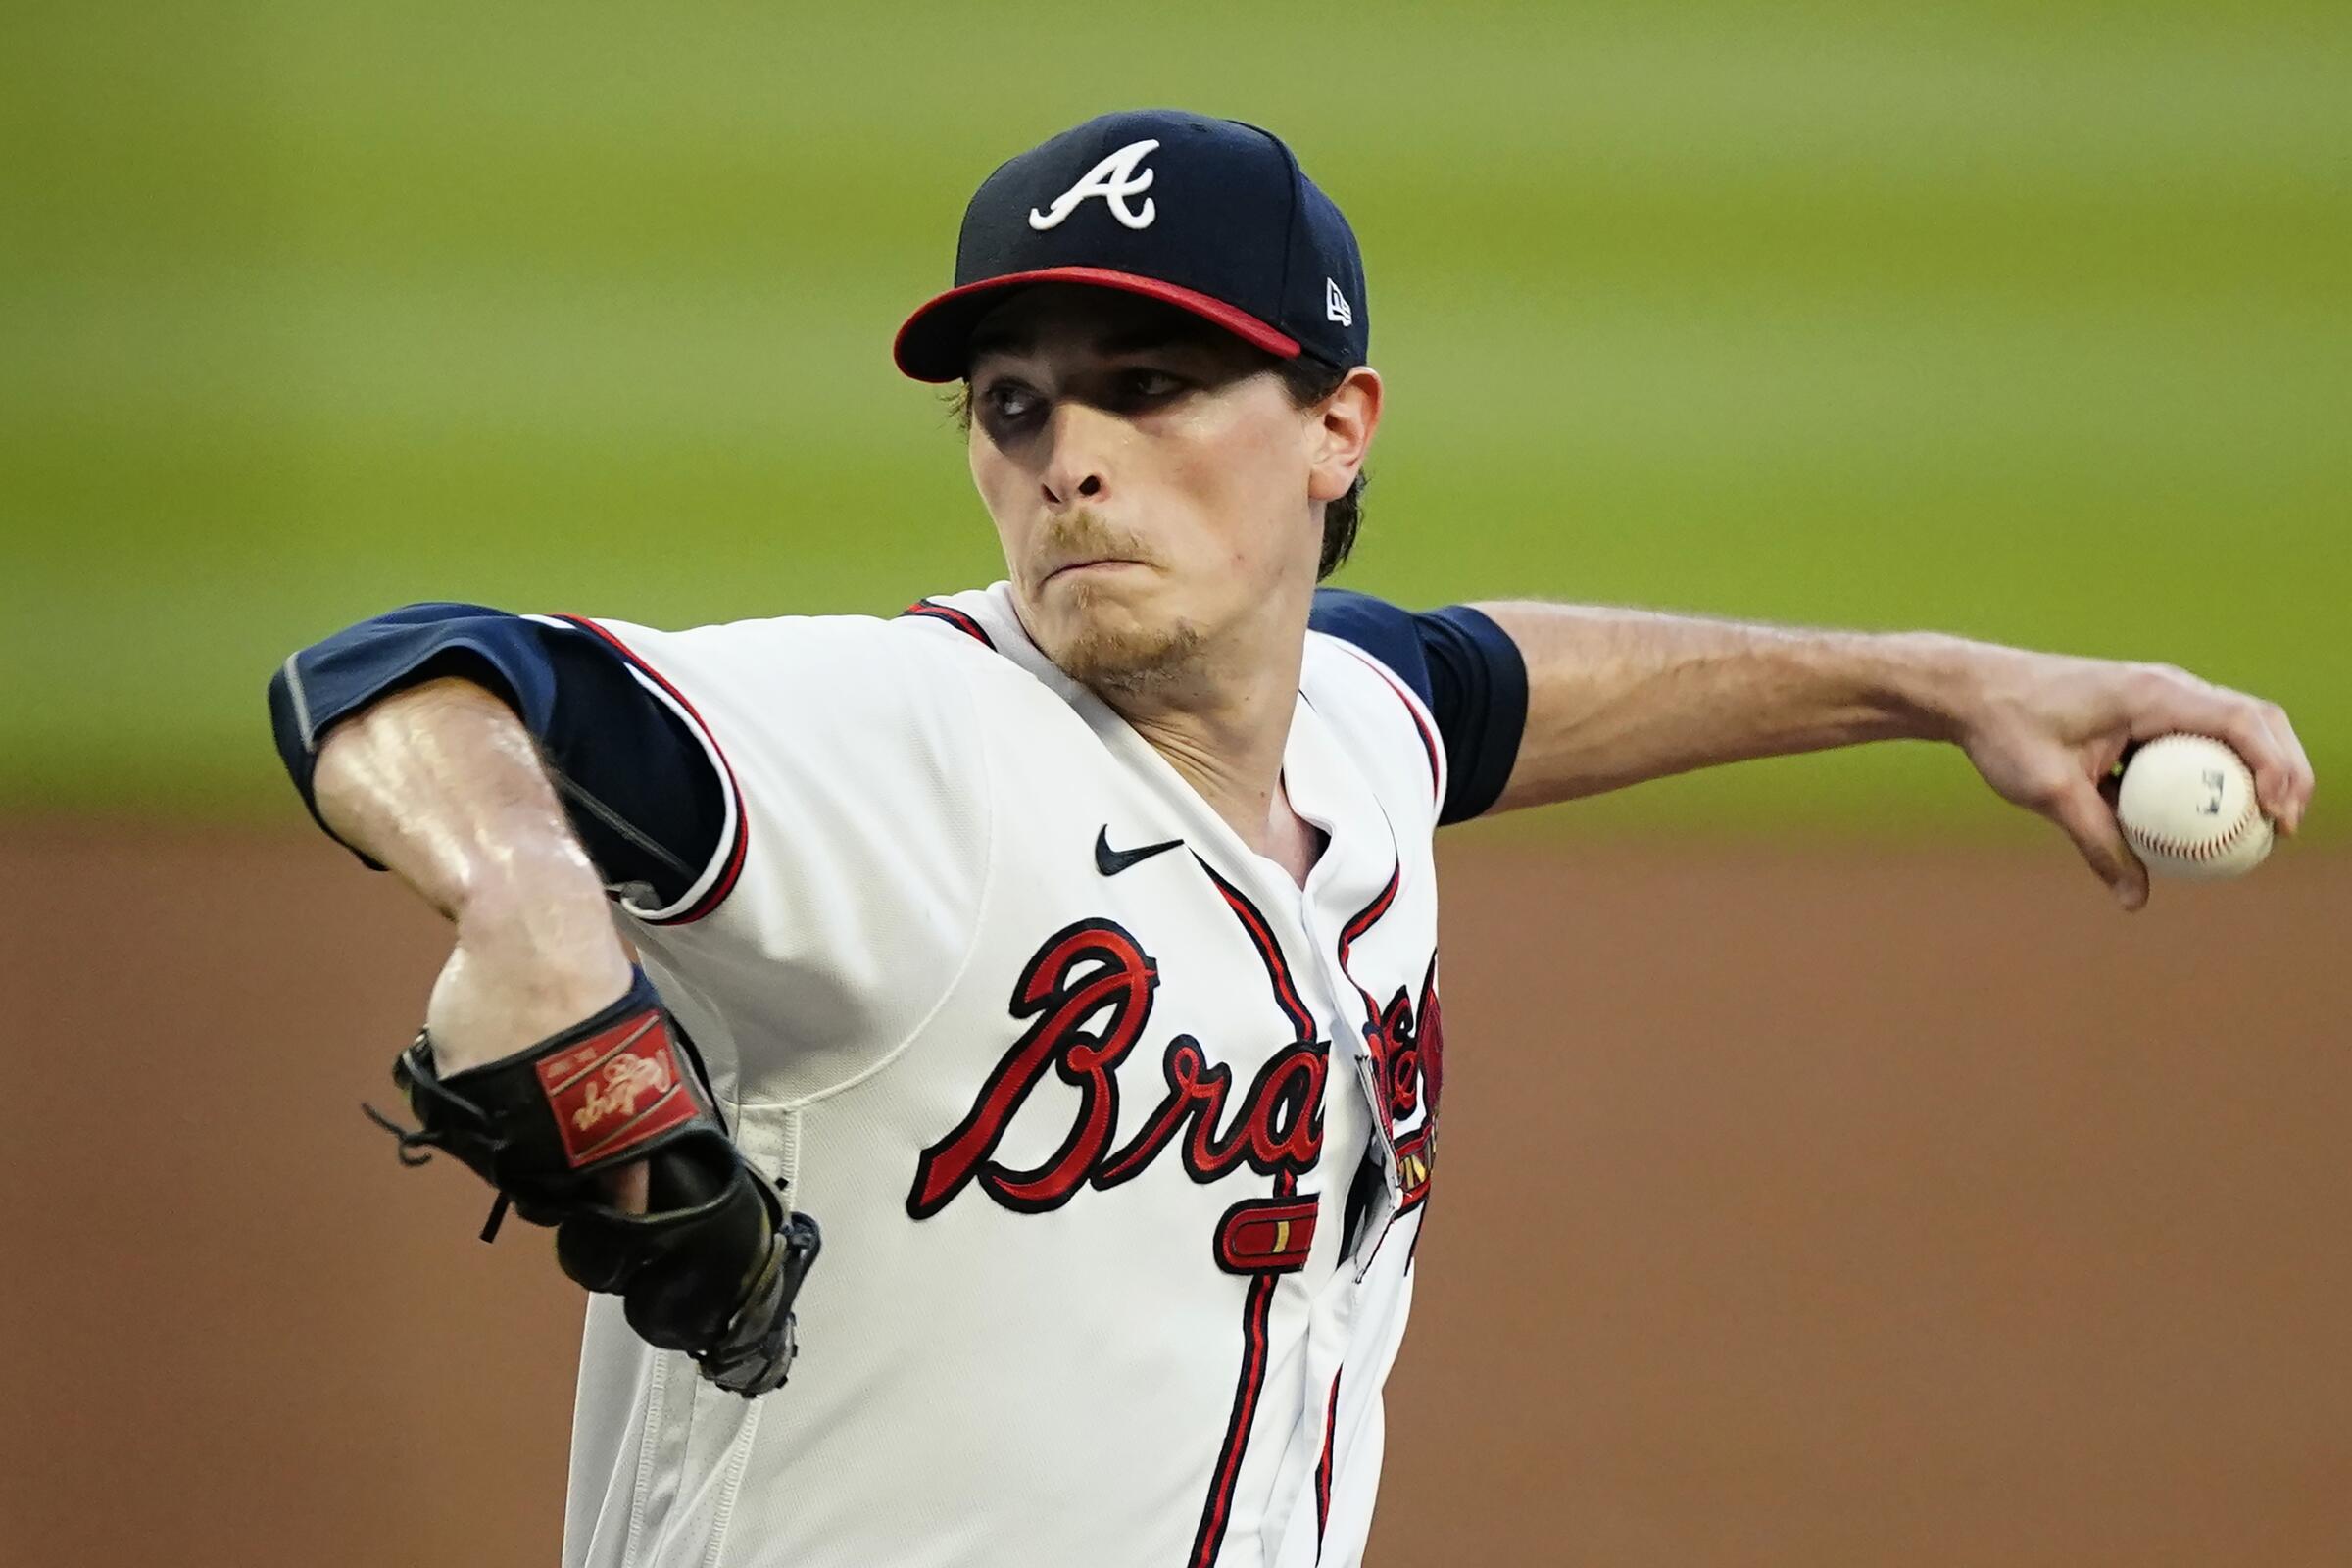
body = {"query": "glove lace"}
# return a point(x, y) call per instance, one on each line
point(414, 1141)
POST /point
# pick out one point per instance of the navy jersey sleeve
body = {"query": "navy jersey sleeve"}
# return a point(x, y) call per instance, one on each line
point(1463, 666)
point(640, 787)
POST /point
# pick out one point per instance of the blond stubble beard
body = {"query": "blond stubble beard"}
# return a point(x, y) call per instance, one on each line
point(1110, 649)
point(1116, 654)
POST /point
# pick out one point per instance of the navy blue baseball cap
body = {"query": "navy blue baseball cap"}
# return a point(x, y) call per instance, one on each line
point(1210, 216)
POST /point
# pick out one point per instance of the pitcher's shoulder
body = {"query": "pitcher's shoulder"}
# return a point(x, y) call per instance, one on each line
point(1455, 685)
point(1376, 716)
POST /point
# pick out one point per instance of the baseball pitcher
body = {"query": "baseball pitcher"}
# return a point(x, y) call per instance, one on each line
point(988, 1063)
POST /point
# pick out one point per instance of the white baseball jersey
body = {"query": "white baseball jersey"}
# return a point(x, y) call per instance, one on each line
point(1119, 1138)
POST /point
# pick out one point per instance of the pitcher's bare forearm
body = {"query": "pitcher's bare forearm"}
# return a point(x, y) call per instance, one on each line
point(1619, 695)
point(443, 786)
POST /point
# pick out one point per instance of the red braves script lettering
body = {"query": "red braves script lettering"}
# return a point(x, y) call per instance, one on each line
point(1088, 995)
point(1394, 1049)
point(1429, 1039)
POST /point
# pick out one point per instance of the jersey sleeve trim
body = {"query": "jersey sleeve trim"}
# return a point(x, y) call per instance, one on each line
point(304, 729)
point(725, 867)
point(639, 781)
point(930, 609)
point(302, 716)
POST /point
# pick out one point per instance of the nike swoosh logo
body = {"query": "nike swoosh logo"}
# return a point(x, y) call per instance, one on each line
point(1110, 861)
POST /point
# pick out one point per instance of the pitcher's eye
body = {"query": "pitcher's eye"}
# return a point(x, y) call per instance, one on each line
point(1144, 384)
point(1009, 401)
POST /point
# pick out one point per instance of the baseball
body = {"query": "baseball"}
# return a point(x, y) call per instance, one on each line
point(2187, 808)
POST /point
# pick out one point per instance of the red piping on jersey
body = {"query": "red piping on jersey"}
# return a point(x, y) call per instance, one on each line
point(1269, 953)
point(1367, 916)
point(1261, 1307)
point(726, 884)
point(953, 617)
point(1331, 1421)
point(1429, 744)
point(1261, 1303)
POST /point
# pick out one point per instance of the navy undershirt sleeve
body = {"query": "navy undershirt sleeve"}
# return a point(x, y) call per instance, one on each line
point(1459, 662)
point(635, 781)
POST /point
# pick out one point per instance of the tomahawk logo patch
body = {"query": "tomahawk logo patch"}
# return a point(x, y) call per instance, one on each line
point(1114, 180)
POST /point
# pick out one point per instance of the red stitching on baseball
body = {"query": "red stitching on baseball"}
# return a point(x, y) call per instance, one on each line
point(2153, 844)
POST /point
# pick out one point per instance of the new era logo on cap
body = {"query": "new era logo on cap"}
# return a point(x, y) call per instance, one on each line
point(1210, 216)
point(1335, 304)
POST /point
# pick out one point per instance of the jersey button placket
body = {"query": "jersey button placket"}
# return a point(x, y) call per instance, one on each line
point(1352, 1034)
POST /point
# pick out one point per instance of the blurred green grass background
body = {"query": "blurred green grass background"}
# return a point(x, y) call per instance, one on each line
point(2030, 321)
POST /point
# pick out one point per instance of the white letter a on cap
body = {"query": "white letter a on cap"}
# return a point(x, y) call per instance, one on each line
point(1114, 180)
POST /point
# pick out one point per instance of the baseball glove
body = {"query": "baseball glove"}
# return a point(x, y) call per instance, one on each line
point(712, 1265)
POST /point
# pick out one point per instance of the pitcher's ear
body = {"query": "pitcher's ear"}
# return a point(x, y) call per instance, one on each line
point(1340, 433)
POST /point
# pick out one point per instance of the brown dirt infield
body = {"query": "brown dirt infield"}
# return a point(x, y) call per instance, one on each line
point(1795, 1208)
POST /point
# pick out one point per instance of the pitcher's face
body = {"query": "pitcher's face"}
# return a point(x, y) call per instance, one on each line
point(1149, 474)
